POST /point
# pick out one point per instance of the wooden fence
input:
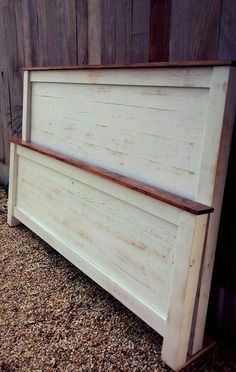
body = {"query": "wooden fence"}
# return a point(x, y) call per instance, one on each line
point(69, 32)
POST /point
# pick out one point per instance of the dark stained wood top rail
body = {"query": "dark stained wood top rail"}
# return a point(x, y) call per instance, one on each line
point(152, 191)
point(137, 65)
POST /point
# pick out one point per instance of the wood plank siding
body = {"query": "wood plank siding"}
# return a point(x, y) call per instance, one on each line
point(75, 32)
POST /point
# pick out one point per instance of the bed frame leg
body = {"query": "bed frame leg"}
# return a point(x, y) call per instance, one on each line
point(11, 220)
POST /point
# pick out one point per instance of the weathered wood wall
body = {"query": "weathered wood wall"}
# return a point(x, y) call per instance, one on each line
point(52, 32)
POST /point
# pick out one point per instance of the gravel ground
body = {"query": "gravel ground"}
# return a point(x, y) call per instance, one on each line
point(54, 318)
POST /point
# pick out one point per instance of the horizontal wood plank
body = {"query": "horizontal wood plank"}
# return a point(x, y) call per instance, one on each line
point(128, 243)
point(154, 192)
point(190, 77)
point(155, 319)
point(136, 65)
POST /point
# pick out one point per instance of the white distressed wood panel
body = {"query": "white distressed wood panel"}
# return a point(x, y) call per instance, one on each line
point(124, 194)
point(143, 251)
point(129, 244)
point(151, 134)
point(188, 77)
point(133, 302)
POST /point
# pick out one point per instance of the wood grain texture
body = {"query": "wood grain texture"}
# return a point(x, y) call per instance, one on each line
point(192, 233)
point(136, 65)
point(61, 31)
point(154, 192)
point(152, 133)
point(26, 119)
point(126, 194)
point(82, 31)
point(152, 261)
point(12, 78)
point(50, 32)
point(92, 270)
point(94, 32)
point(68, 31)
point(53, 29)
point(217, 136)
point(108, 31)
point(28, 36)
point(227, 40)
point(30, 33)
point(43, 32)
point(140, 30)
point(223, 90)
point(208, 101)
point(167, 77)
point(2, 41)
point(4, 151)
point(123, 31)
point(134, 257)
point(92, 218)
point(34, 32)
point(20, 32)
point(194, 29)
point(160, 12)
point(37, 22)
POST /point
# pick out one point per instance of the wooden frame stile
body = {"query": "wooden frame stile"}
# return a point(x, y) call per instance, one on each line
point(26, 107)
point(11, 219)
point(222, 108)
point(192, 233)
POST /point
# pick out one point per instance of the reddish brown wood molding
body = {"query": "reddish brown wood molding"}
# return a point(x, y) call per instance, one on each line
point(136, 65)
point(154, 192)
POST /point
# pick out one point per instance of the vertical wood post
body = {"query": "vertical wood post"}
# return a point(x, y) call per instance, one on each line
point(222, 107)
point(188, 255)
point(11, 220)
point(26, 107)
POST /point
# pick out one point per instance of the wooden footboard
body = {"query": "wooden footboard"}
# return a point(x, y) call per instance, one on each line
point(144, 251)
